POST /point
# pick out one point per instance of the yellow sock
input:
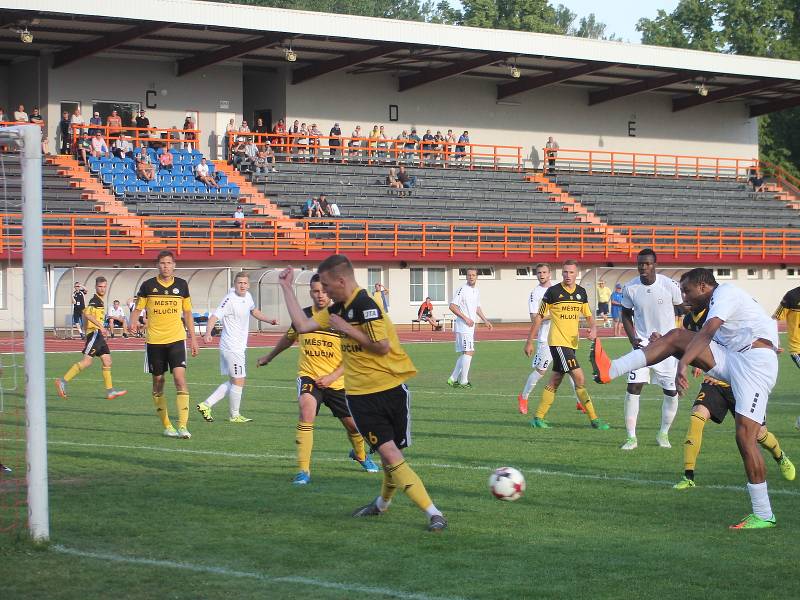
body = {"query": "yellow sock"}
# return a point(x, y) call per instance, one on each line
point(388, 487)
point(548, 397)
point(403, 476)
point(73, 372)
point(107, 378)
point(770, 442)
point(182, 402)
point(586, 401)
point(161, 410)
point(358, 445)
point(304, 439)
point(694, 439)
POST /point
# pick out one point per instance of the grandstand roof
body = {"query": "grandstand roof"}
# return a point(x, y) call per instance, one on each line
point(198, 34)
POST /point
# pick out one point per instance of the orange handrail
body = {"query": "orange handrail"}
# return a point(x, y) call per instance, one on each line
point(138, 135)
point(314, 148)
point(639, 163)
point(433, 240)
point(781, 176)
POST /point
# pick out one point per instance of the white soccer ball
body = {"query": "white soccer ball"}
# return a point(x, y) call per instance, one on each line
point(506, 483)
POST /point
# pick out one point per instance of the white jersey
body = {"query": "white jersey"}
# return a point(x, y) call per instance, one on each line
point(652, 305)
point(234, 315)
point(467, 299)
point(534, 301)
point(744, 319)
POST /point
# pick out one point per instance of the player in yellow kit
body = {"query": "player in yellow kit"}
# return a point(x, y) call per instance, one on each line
point(96, 345)
point(166, 299)
point(320, 380)
point(789, 309)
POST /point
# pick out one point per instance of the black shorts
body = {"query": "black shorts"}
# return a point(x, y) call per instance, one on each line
point(718, 399)
point(77, 316)
point(162, 356)
point(96, 344)
point(564, 359)
point(602, 308)
point(333, 399)
point(383, 416)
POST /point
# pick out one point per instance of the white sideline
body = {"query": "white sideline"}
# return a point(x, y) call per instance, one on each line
point(309, 581)
point(417, 462)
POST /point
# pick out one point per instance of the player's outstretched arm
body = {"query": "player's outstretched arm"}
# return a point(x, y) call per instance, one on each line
point(457, 312)
point(282, 345)
point(212, 321)
point(260, 316)
point(133, 326)
point(534, 331)
point(592, 334)
point(189, 320)
point(300, 322)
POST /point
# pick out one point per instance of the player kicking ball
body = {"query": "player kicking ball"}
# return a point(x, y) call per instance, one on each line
point(320, 380)
point(234, 313)
point(96, 344)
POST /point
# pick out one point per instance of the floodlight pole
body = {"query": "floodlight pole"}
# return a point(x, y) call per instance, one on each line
point(32, 264)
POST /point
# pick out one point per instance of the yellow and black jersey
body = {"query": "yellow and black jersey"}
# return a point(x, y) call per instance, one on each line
point(165, 302)
point(320, 351)
point(789, 309)
point(97, 309)
point(694, 321)
point(565, 307)
point(365, 372)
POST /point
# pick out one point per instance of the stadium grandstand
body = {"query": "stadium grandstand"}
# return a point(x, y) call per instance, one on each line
point(249, 137)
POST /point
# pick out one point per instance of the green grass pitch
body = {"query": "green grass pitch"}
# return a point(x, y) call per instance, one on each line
point(136, 515)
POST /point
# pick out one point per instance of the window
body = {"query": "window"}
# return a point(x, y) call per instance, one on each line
point(753, 273)
point(374, 275)
point(723, 273)
point(793, 272)
point(126, 110)
point(483, 272)
point(526, 273)
point(427, 282)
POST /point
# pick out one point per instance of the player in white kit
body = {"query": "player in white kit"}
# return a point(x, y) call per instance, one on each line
point(466, 306)
point(738, 345)
point(648, 303)
point(234, 313)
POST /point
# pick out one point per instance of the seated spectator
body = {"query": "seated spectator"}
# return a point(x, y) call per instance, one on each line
point(202, 174)
point(116, 318)
point(262, 161)
point(756, 181)
point(98, 147)
point(166, 160)
point(20, 116)
point(238, 216)
point(189, 136)
point(324, 206)
point(408, 181)
point(238, 155)
point(392, 181)
point(95, 120)
point(123, 147)
point(311, 208)
point(425, 314)
point(144, 168)
point(250, 153)
point(36, 117)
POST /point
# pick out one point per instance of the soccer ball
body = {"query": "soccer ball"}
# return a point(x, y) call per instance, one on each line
point(506, 483)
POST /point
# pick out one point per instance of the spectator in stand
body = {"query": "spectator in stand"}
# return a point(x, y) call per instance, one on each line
point(269, 153)
point(450, 142)
point(313, 140)
point(756, 181)
point(189, 136)
point(551, 149)
point(144, 168)
point(238, 216)
point(63, 133)
point(36, 117)
point(122, 146)
point(381, 296)
point(114, 122)
point(228, 142)
point(99, 148)
point(293, 130)
point(412, 144)
point(250, 153)
point(408, 181)
point(400, 144)
point(142, 124)
point(20, 116)
point(311, 208)
point(425, 314)
point(355, 142)
point(260, 127)
point(382, 143)
point(261, 162)
point(372, 143)
point(116, 318)
point(95, 120)
point(173, 138)
point(279, 141)
point(238, 154)
point(427, 145)
point(440, 146)
point(244, 127)
point(166, 160)
point(461, 146)
point(302, 140)
point(334, 142)
point(203, 174)
point(392, 181)
point(324, 206)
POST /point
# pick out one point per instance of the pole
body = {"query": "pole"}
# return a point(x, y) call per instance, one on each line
point(32, 262)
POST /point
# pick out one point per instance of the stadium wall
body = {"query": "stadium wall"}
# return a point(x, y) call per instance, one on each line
point(503, 294)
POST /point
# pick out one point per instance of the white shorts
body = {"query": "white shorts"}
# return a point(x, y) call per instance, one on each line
point(662, 374)
point(232, 364)
point(542, 358)
point(752, 375)
point(465, 342)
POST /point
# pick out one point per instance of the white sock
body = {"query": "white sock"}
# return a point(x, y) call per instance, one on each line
point(218, 394)
point(433, 511)
point(759, 497)
point(572, 383)
point(457, 370)
point(669, 408)
point(625, 364)
point(631, 413)
point(235, 398)
point(466, 359)
point(531, 383)
point(382, 504)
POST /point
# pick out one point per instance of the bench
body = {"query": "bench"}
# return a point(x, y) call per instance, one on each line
point(418, 323)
